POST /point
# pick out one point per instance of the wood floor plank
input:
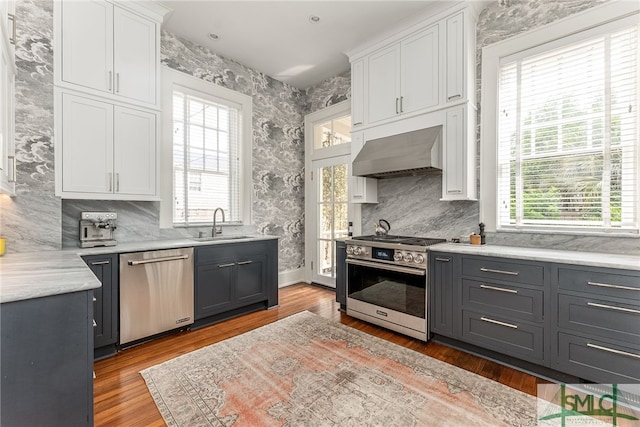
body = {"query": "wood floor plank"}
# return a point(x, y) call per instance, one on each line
point(122, 398)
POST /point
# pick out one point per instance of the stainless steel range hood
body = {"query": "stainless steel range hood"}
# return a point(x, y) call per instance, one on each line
point(406, 154)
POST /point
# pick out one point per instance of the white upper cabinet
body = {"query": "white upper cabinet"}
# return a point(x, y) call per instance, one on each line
point(107, 50)
point(107, 151)
point(403, 78)
point(7, 99)
point(357, 93)
point(459, 154)
point(420, 71)
point(361, 189)
point(383, 88)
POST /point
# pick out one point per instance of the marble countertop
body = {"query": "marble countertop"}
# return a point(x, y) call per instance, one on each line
point(31, 275)
point(594, 259)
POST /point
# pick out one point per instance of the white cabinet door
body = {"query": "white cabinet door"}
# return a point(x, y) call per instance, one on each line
point(420, 70)
point(87, 145)
point(87, 44)
point(383, 85)
point(455, 53)
point(134, 56)
point(7, 109)
point(459, 159)
point(357, 93)
point(361, 189)
point(134, 151)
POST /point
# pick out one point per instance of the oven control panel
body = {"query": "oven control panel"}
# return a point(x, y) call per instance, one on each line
point(388, 255)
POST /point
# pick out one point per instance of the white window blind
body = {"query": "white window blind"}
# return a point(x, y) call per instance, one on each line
point(206, 163)
point(568, 134)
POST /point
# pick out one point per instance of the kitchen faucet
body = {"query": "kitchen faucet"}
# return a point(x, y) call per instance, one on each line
point(217, 230)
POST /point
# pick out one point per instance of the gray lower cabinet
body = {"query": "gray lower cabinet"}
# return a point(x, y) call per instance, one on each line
point(442, 286)
point(232, 276)
point(47, 361)
point(105, 303)
point(341, 273)
point(576, 320)
point(597, 332)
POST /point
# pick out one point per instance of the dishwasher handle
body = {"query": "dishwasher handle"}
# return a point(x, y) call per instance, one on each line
point(160, 259)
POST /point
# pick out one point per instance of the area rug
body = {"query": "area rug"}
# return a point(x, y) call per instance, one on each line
point(308, 371)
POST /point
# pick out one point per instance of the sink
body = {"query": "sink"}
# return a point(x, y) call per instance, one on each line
point(218, 238)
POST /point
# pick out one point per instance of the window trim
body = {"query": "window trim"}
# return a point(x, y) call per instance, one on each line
point(171, 78)
point(491, 57)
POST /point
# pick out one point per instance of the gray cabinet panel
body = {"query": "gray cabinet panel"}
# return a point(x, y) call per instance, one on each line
point(600, 317)
point(47, 361)
point(500, 334)
point(612, 283)
point(598, 360)
point(105, 306)
point(341, 273)
point(442, 309)
point(506, 300)
point(251, 279)
point(504, 270)
point(214, 289)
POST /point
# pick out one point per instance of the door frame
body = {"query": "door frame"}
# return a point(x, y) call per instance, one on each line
point(312, 154)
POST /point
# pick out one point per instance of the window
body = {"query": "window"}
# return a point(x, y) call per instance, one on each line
point(207, 152)
point(567, 133)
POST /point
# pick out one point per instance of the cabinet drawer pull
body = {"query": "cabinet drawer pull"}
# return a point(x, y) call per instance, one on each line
point(357, 123)
point(443, 259)
point(95, 325)
point(110, 80)
point(397, 111)
point(495, 288)
point(100, 262)
point(401, 107)
point(490, 270)
point(245, 262)
point(612, 307)
point(13, 169)
point(452, 97)
point(117, 82)
point(110, 182)
point(12, 18)
point(117, 182)
point(612, 350)
point(497, 322)
point(606, 285)
point(226, 265)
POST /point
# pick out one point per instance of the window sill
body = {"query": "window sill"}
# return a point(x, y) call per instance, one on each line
point(633, 234)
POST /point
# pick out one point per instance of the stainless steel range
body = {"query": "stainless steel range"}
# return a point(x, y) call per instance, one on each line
point(387, 282)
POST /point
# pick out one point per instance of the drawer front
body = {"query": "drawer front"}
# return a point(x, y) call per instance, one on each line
point(504, 335)
point(505, 270)
point(600, 317)
point(613, 283)
point(506, 300)
point(597, 361)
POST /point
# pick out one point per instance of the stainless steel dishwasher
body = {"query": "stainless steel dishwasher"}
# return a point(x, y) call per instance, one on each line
point(156, 292)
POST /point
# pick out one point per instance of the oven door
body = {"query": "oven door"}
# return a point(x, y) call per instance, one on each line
point(388, 295)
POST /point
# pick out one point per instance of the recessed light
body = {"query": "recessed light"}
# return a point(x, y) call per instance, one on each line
point(213, 36)
point(314, 19)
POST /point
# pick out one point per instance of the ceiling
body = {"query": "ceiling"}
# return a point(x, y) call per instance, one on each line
point(277, 37)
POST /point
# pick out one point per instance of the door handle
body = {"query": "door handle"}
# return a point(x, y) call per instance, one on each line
point(489, 270)
point(231, 264)
point(100, 263)
point(495, 288)
point(161, 259)
point(12, 18)
point(245, 262)
point(497, 322)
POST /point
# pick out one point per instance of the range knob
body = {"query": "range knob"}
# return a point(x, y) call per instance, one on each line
point(357, 250)
point(419, 259)
point(408, 257)
point(397, 256)
point(349, 250)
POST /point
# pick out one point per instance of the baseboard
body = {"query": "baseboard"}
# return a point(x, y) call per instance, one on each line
point(290, 277)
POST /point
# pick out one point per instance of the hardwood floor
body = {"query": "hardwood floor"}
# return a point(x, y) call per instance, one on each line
point(121, 396)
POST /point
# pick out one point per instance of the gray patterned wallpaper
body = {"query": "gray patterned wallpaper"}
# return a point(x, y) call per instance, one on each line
point(412, 205)
point(37, 220)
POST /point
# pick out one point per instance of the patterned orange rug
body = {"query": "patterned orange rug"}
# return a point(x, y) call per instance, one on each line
point(307, 371)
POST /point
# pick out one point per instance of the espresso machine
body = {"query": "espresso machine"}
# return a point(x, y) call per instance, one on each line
point(97, 229)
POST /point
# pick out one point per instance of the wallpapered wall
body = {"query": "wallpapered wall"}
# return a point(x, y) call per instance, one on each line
point(412, 204)
point(37, 220)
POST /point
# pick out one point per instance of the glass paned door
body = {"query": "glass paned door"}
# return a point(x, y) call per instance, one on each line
point(331, 213)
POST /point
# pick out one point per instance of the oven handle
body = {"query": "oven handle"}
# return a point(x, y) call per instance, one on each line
point(380, 266)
